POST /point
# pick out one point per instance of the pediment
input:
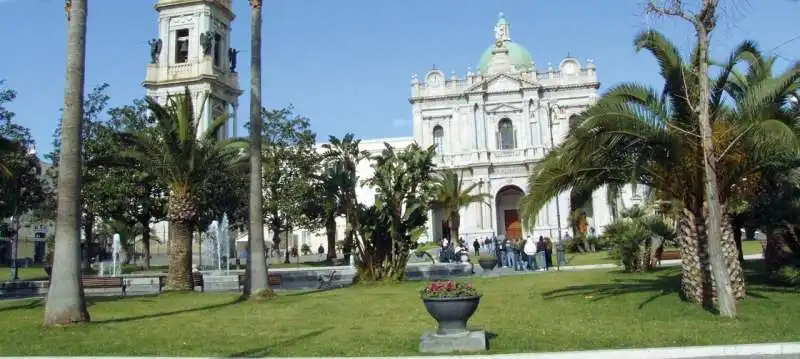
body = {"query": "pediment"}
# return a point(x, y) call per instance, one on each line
point(502, 108)
point(500, 83)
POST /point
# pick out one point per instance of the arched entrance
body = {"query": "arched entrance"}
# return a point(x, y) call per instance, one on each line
point(507, 205)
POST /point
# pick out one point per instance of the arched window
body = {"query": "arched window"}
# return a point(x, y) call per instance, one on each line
point(505, 135)
point(438, 139)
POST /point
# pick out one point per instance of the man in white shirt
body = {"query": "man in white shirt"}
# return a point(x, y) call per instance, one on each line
point(530, 251)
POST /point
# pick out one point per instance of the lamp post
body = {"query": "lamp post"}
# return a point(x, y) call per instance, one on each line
point(552, 108)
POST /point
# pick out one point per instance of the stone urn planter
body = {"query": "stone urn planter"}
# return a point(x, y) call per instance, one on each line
point(451, 304)
point(452, 314)
point(487, 263)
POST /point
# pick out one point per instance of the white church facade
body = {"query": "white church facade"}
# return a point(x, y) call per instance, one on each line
point(491, 125)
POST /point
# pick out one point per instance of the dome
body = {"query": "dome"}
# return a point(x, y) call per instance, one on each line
point(520, 57)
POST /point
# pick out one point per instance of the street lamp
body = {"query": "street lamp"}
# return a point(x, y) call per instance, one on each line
point(552, 110)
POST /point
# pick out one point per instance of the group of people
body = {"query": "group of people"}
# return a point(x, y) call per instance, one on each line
point(525, 254)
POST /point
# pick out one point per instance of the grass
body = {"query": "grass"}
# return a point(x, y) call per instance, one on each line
point(534, 313)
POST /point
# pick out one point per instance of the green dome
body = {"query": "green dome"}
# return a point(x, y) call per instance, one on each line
point(520, 57)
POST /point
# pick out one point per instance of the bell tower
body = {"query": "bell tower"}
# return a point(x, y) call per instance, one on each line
point(193, 49)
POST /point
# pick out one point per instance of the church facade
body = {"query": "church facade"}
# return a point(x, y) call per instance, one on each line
point(491, 125)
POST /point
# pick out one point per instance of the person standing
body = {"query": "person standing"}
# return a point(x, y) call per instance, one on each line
point(530, 252)
point(477, 246)
point(548, 254)
point(541, 248)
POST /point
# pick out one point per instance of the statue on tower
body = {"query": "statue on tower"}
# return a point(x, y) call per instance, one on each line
point(207, 42)
point(501, 30)
point(155, 50)
point(232, 58)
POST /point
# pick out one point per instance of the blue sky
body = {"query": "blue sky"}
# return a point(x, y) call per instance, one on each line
point(347, 64)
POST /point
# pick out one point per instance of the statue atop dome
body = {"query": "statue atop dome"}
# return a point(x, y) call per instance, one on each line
point(501, 30)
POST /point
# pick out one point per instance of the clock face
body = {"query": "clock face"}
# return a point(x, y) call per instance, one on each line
point(569, 68)
point(435, 79)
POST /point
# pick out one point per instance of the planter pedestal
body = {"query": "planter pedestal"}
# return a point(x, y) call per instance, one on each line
point(471, 341)
point(452, 315)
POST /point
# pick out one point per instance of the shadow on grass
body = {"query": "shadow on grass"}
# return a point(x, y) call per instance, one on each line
point(665, 283)
point(315, 291)
point(166, 314)
point(24, 304)
point(265, 351)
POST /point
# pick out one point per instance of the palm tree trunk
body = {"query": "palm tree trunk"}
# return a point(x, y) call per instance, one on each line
point(330, 232)
point(257, 264)
point(695, 279)
point(455, 224)
point(146, 243)
point(180, 256)
point(737, 238)
point(65, 298)
point(731, 254)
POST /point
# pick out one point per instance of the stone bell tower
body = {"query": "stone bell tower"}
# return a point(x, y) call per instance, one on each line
point(193, 49)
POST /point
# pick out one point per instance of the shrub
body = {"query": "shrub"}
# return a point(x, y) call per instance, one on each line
point(448, 289)
point(305, 249)
point(787, 275)
point(264, 294)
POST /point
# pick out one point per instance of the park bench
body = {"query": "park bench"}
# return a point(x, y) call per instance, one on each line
point(197, 281)
point(326, 280)
point(668, 255)
point(273, 280)
point(97, 282)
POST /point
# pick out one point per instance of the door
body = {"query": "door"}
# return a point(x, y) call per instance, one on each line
point(512, 224)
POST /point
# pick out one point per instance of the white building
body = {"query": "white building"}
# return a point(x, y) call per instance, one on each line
point(492, 125)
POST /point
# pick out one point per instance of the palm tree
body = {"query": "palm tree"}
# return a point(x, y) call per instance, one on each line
point(256, 262)
point(65, 299)
point(345, 152)
point(635, 133)
point(333, 179)
point(183, 159)
point(451, 196)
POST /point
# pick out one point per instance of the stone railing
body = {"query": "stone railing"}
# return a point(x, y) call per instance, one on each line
point(494, 156)
point(190, 69)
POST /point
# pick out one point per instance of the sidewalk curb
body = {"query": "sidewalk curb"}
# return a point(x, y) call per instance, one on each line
point(646, 353)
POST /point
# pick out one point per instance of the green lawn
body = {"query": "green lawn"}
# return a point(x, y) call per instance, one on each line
point(542, 312)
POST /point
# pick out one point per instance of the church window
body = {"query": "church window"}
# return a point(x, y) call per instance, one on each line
point(506, 135)
point(182, 46)
point(438, 139)
point(217, 50)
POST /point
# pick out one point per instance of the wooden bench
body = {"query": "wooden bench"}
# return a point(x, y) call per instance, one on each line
point(273, 280)
point(96, 282)
point(197, 281)
point(668, 255)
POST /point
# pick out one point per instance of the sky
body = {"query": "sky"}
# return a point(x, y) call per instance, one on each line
point(347, 64)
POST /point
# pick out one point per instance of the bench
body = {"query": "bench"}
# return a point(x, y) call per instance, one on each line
point(668, 255)
point(197, 281)
point(273, 280)
point(96, 282)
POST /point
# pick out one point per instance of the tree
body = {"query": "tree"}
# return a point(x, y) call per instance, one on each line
point(451, 196)
point(22, 189)
point(256, 261)
point(345, 152)
point(704, 22)
point(639, 134)
point(93, 147)
point(290, 164)
point(65, 299)
point(128, 193)
point(330, 185)
point(404, 186)
point(192, 158)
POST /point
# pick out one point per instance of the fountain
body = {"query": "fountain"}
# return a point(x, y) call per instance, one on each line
point(116, 265)
point(224, 242)
point(211, 255)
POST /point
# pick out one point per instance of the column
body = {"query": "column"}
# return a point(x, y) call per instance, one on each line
point(235, 126)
